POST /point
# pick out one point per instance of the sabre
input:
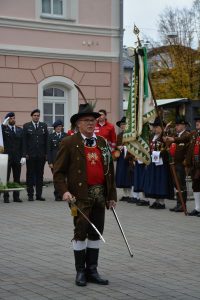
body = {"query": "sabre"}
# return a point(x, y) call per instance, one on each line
point(101, 237)
point(123, 234)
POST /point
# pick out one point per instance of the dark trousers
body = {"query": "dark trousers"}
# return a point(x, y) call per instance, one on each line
point(181, 175)
point(34, 175)
point(195, 174)
point(56, 193)
point(15, 167)
point(94, 209)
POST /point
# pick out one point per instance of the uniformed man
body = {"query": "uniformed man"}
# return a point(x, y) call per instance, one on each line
point(178, 149)
point(35, 140)
point(12, 137)
point(105, 129)
point(84, 170)
point(193, 162)
point(53, 144)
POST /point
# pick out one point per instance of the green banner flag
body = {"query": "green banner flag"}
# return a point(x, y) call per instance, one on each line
point(140, 110)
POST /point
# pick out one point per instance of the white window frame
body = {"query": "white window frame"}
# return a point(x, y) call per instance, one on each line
point(71, 99)
point(55, 16)
point(55, 100)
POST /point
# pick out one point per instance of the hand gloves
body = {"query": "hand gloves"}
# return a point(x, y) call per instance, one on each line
point(5, 122)
point(23, 161)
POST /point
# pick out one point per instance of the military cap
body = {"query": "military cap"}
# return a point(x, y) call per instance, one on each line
point(10, 115)
point(35, 111)
point(57, 123)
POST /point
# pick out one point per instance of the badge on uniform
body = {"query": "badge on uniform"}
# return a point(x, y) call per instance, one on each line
point(156, 158)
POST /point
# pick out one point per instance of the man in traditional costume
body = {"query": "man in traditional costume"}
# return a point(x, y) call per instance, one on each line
point(84, 171)
point(178, 148)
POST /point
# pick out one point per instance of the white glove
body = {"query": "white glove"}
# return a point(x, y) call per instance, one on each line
point(23, 161)
point(5, 122)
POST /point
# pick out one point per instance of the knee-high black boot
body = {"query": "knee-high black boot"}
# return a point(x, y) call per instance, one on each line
point(80, 267)
point(92, 274)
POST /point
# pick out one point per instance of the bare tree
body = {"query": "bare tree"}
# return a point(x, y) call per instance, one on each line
point(176, 26)
point(196, 12)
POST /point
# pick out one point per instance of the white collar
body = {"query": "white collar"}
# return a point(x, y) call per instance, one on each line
point(85, 137)
point(35, 123)
point(10, 126)
point(179, 134)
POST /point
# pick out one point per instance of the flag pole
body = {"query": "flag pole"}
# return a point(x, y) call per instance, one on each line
point(172, 164)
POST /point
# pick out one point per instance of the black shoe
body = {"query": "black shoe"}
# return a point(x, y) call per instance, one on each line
point(6, 201)
point(81, 279)
point(142, 203)
point(174, 208)
point(153, 205)
point(30, 198)
point(17, 200)
point(179, 209)
point(194, 213)
point(160, 206)
point(96, 278)
point(132, 200)
point(198, 214)
point(40, 198)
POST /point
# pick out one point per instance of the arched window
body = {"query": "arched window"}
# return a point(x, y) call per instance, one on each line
point(57, 99)
point(54, 102)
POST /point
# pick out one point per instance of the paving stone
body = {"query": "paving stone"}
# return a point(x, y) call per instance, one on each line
point(37, 263)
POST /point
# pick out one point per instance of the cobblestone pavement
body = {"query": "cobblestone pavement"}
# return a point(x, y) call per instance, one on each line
point(37, 263)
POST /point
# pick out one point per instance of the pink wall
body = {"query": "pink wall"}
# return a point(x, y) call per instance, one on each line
point(18, 8)
point(99, 12)
point(58, 40)
point(20, 76)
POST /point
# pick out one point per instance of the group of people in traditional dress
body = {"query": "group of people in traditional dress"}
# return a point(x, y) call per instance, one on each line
point(155, 182)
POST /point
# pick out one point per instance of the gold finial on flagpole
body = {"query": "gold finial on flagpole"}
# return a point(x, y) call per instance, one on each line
point(136, 31)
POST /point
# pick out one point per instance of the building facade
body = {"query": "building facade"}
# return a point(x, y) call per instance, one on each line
point(47, 46)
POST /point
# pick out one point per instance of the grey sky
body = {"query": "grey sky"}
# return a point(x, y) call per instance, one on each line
point(145, 14)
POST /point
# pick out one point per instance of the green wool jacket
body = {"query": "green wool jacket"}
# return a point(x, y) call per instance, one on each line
point(70, 168)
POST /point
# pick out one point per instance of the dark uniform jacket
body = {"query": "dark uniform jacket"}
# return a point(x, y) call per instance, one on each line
point(53, 145)
point(35, 141)
point(70, 168)
point(182, 143)
point(13, 143)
